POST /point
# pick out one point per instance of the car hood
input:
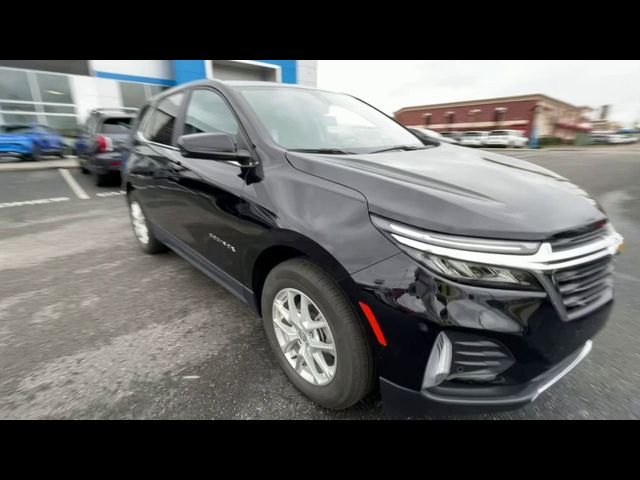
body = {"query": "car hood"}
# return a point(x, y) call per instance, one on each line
point(10, 137)
point(461, 191)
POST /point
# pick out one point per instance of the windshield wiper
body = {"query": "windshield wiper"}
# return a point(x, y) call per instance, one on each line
point(330, 151)
point(399, 147)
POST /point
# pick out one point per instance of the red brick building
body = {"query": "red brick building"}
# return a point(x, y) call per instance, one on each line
point(552, 117)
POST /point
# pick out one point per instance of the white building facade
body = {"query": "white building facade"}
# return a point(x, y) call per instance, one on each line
point(60, 93)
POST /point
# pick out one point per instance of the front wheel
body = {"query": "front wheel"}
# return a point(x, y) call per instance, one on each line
point(315, 334)
point(141, 227)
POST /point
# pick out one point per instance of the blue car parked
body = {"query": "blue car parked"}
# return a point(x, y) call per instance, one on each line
point(30, 142)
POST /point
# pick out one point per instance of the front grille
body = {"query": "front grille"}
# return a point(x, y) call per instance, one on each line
point(586, 287)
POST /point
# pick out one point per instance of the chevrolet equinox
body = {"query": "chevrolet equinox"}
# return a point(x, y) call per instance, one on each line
point(449, 278)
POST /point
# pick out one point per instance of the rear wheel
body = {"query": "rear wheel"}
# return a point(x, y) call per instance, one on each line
point(141, 227)
point(316, 335)
point(36, 156)
point(100, 179)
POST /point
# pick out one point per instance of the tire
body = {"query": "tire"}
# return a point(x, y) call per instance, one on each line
point(61, 153)
point(152, 246)
point(353, 363)
point(100, 179)
point(84, 170)
point(36, 156)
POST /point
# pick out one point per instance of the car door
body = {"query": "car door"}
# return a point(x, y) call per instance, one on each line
point(82, 142)
point(156, 162)
point(211, 190)
point(54, 139)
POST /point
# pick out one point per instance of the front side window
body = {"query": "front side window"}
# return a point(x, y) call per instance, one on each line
point(161, 124)
point(299, 118)
point(208, 113)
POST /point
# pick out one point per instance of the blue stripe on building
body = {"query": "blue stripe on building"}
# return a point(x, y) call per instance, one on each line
point(135, 78)
point(189, 70)
point(289, 69)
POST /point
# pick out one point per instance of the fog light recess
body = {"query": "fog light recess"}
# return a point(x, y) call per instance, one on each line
point(439, 364)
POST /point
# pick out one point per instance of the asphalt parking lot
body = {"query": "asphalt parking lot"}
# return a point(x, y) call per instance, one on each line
point(90, 327)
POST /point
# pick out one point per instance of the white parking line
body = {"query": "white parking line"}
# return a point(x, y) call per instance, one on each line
point(40, 201)
point(73, 185)
point(110, 194)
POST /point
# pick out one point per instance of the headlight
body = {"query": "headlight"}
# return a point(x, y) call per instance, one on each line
point(461, 269)
point(476, 272)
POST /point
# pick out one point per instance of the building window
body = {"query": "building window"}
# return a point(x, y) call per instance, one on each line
point(18, 107)
point(473, 114)
point(499, 113)
point(32, 97)
point(14, 85)
point(74, 67)
point(426, 119)
point(153, 90)
point(450, 117)
point(134, 95)
point(64, 124)
point(60, 109)
point(10, 118)
point(54, 88)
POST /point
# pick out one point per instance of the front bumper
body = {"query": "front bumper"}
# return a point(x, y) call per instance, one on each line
point(413, 305)
point(402, 400)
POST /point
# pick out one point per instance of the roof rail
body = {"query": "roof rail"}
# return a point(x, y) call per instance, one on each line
point(111, 109)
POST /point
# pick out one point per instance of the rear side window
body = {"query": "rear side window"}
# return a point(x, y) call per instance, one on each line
point(208, 113)
point(162, 122)
point(116, 125)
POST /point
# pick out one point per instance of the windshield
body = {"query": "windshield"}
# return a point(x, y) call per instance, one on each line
point(315, 120)
point(473, 134)
point(499, 132)
point(116, 125)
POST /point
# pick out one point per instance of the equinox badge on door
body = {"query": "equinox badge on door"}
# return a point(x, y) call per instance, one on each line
point(222, 242)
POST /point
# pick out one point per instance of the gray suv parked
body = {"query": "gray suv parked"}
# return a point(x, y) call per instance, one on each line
point(101, 143)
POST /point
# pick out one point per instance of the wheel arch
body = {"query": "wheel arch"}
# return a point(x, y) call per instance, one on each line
point(288, 245)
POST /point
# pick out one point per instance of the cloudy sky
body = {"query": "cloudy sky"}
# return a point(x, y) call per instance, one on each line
point(392, 84)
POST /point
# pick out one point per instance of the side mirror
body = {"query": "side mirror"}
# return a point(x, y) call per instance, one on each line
point(213, 146)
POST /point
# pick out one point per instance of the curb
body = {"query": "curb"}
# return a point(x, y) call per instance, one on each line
point(42, 165)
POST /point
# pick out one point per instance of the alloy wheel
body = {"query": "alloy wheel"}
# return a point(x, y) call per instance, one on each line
point(304, 336)
point(139, 223)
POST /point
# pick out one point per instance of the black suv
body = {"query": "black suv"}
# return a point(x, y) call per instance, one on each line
point(451, 277)
point(101, 143)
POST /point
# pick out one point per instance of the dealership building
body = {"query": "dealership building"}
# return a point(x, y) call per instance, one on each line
point(60, 93)
point(535, 115)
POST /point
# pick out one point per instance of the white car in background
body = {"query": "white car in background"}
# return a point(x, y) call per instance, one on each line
point(474, 139)
point(506, 138)
point(424, 134)
point(619, 138)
